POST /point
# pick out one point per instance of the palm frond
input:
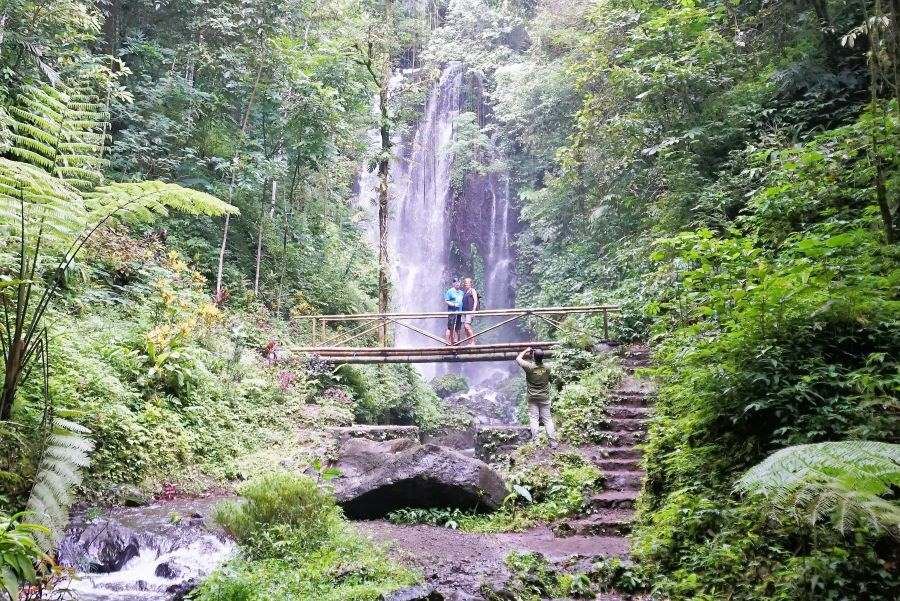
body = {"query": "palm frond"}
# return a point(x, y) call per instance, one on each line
point(845, 481)
point(65, 455)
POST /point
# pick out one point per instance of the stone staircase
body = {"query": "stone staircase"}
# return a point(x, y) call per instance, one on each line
point(611, 511)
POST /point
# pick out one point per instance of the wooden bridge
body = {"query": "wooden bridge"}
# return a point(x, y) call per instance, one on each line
point(355, 338)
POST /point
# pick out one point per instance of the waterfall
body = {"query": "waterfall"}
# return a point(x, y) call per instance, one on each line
point(427, 218)
point(420, 221)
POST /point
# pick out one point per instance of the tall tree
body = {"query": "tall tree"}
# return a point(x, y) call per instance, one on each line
point(374, 53)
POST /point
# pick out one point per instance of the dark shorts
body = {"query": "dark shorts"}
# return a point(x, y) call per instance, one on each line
point(454, 321)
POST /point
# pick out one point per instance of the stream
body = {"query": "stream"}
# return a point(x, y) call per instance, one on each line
point(156, 552)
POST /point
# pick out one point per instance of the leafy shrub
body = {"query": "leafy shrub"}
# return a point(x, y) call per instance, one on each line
point(19, 553)
point(448, 384)
point(276, 506)
point(295, 545)
point(392, 394)
point(580, 407)
point(533, 578)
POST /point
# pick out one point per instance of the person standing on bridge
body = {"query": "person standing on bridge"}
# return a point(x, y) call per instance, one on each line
point(454, 299)
point(470, 303)
point(537, 381)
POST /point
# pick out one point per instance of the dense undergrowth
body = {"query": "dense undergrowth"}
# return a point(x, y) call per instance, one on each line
point(295, 544)
point(725, 179)
point(182, 392)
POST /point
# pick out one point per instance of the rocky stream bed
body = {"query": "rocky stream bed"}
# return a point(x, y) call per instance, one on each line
point(163, 550)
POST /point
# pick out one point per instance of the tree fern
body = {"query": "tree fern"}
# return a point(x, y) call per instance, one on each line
point(66, 453)
point(846, 481)
point(51, 203)
point(61, 131)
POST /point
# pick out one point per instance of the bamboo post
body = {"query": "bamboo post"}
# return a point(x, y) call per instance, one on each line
point(605, 325)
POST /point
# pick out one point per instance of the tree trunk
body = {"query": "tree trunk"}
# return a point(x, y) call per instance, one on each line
point(384, 177)
point(829, 35)
point(11, 380)
point(222, 258)
point(2, 31)
point(112, 25)
point(383, 180)
point(262, 222)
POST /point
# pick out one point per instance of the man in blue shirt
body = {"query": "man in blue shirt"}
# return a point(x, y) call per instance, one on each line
point(454, 299)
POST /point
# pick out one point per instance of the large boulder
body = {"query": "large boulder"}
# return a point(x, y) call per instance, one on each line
point(103, 546)
point(379, 477)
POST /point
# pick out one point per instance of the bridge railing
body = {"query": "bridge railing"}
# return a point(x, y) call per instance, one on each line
point(368, 324)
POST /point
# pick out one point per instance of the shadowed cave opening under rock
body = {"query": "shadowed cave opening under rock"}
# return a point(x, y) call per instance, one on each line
point(418, 492)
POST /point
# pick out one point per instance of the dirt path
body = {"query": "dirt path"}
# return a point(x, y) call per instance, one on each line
point(457, 563)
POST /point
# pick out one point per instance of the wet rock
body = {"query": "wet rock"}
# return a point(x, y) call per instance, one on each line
point(380, 477)
point(415, 593)
point(180, 591)
point(102, 547)
point(376, 433)
point(170, 570)
point(454, 439)
point(489, 405)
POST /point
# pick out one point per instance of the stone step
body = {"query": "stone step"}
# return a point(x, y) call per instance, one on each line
point(623, 479)
point(619, 400)
point(611, 499)
point(621, 439)
point(599, 453)
point(605, 522)
point(628, 411)
point(612, 465)
point(628, 424)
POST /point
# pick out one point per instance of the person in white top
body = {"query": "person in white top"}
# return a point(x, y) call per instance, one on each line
point(469, 303)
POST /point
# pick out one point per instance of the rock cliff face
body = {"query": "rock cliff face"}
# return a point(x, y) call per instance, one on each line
point(379, 477)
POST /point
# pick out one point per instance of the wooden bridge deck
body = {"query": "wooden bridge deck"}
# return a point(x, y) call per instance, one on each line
point(429, 354)
point(335, 346)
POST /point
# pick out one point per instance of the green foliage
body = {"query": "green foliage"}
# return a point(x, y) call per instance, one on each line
point(433, 516)
point(449, 384)
point(841, 480)
point(534, 579)
point(393, 394)
point(19, 553)
point(274, 507)
point(471, 150)
point(579, 408)
point(295, 545)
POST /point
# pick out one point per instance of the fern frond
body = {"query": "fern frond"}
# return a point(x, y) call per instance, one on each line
point(845, 481)
point(66, 453)
point(54, 129)
point(144, 199)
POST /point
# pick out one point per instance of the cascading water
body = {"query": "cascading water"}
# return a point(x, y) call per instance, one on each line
point(420, 223)
point(143, 553)
point(428, 218)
